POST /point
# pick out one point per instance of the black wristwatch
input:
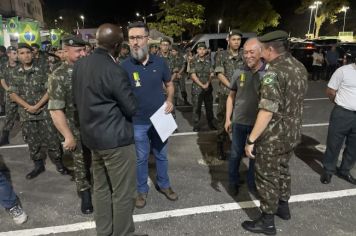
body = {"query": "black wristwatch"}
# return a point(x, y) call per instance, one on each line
point(249, 142)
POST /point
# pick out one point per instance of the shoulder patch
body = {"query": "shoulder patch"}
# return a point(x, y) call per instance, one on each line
point(269, 78)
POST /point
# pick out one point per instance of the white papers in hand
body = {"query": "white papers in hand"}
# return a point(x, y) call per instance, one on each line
point(163, 123)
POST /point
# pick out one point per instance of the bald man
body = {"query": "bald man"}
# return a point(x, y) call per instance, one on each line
point(106, 104)
point(241, 106)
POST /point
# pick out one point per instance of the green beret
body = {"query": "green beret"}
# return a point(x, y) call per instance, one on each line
point(125, 45)
point(24, 45)
point(175, 47)
point(278, 35)
point(201, 45)
point(35, 45)
point(153, 45)
point(165, 40)
point(11, 48)
point(73, 41)
point(235, 32)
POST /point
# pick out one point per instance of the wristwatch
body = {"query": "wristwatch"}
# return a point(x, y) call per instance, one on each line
point(249, 142)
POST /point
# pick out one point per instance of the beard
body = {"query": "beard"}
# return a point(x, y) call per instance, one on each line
point(140, 54)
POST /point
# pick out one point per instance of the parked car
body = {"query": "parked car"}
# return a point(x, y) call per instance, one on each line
point(347, 52)
point(303, 51)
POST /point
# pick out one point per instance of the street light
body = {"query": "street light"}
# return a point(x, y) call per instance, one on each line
point(344, 9)
point(219, 23)
point(312, 7)
point(143, 17)
point(60, 17)
point(82, 17)
point(55, 23)
point(316, 3)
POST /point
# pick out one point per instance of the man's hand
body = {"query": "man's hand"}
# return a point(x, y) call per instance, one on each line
point(206, 86)
point(228, 126)
point(31, 109)
point(169, 107)
point(70, 143)
point(249, 151)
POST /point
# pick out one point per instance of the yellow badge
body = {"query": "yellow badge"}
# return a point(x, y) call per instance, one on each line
point(242, 79)
point(136, 77)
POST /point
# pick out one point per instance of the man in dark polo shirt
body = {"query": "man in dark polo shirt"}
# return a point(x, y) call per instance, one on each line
point(243, 101)
point(147, 74)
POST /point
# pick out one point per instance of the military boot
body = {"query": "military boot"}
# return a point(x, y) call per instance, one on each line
point(86, 206)
point(264, 224)
point(61, 168)
point(283, 210)
point(4, 139)
point(39, 168)
point(220, 151)
point(184, 95)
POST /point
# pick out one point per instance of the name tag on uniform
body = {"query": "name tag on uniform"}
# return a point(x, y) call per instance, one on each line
point(136, 78)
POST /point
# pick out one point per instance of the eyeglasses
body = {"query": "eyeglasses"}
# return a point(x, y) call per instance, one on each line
point(138, 37)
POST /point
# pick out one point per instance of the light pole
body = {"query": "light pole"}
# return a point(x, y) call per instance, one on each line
point(312, 7)
point(82, 17)
point(344, 9)
point(143, 17)
point(60, 17)
point(55, 23)
point(316, 3)
point(219, 23)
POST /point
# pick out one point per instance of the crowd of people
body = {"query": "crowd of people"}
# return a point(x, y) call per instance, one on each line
point(102, 100)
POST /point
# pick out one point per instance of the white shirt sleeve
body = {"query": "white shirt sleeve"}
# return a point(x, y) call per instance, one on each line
point(336, 79)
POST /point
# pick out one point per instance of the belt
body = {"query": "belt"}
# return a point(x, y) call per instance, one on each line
point(344, 109)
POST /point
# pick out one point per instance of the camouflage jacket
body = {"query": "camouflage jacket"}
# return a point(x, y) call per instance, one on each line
point(31, 86)
point(283, 88)
point(61, 95)
point(6, 73)
point(168, 60)
point(177, 63)
point(203, 69)
point(42, 62)
point(226, 63)
point(121, 58)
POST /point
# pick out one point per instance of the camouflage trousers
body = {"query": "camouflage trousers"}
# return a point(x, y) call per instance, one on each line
point(179, 86)
point(11, 114)
point(221, 134)
point(197, 101)
point(40, 133)
point(273, 180)
point(80, 168)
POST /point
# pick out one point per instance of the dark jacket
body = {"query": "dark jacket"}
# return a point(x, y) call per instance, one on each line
point(105, 102)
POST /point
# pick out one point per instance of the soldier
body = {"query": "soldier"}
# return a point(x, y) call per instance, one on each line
point(3, 61)
point(11, 107)
point(277, 130)
point(153, 49)
point(29, 91)
point(65, 117)
point(164, 51)
point(178, 65)
point(124, 53)
point(225, 65)
point(39, 58)
point(201, 72)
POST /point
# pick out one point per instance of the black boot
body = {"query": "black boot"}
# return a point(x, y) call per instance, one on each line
point(212, 126)
point(184, 95)
point(4, 139)
point(264, 225)
point(39, 168)
point(220, 151)
point(283, 210)
point(86, 207)
point(61, 168)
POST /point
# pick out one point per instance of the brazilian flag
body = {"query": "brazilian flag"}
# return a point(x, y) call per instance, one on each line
point(13, 25)
point(1, 32)
point(56, 35)
point(29, 33)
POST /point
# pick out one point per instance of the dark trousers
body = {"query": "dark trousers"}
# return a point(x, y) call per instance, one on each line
point(197, 101)
point(342, 127)
point(221, 134)
point(330, 69)
point(239, 136)
point(114, 174)
point(317, 70)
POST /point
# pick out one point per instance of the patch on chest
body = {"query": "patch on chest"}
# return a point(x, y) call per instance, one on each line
point(136, 78)
point(269, 78)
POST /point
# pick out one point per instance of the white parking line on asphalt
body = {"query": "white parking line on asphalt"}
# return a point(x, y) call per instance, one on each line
point(315, 99)
point(180, 212)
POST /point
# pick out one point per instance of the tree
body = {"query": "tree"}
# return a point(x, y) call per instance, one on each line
point(326, 11)
point(178, 17)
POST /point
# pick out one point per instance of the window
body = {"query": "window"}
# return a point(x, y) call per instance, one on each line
point(214, 44)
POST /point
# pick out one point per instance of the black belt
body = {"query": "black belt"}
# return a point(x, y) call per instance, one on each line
point(345, 109)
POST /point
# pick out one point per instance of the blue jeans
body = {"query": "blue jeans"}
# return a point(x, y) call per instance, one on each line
point(8, 198)
point(239, 136)
point(146, 137)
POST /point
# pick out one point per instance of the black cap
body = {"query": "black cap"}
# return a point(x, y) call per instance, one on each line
point(278, 35)
point(235, 32)
point(35, 45)
point(201, 45)
point(153, 45)
point(73, 41)
point(11, 48)
point(2, 48)
point(175, 47)
point(24, 45)
point(165, 39)
point(125, 45)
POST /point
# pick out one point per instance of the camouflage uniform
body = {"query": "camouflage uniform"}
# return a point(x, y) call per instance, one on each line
point(3, 62)
point(61, 98)
point(37, 129)
point(42, 62)
point(225, 63)
point(177, 64)
point(203, 70)
point(10, 106)
point(282, 92)
point(121, 58)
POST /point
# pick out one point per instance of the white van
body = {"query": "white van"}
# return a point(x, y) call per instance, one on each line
point(214, 41)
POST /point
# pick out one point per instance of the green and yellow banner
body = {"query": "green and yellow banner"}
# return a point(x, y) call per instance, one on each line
point(1, 32)
point(13, 25)
point(29, 32)
point(56, 35)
